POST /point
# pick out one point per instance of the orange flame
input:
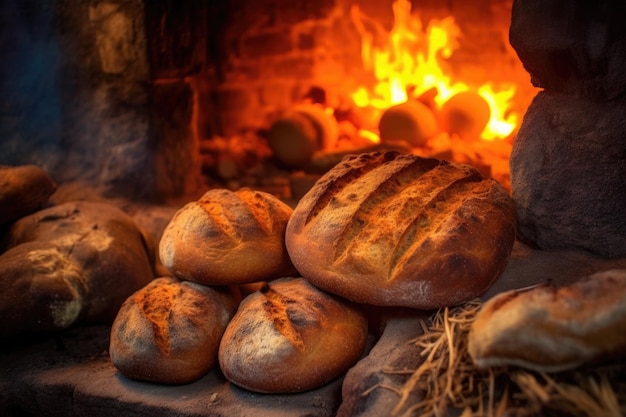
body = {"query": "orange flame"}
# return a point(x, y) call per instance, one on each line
point(414, 62)
point(502, 122)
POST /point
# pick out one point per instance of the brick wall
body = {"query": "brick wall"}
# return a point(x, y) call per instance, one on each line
point(124, 93)
point(271, 53)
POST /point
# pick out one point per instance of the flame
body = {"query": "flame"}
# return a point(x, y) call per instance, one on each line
point(414, 62)
point(500, 124)
point(369, 135)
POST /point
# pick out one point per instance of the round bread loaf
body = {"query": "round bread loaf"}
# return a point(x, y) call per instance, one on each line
point(391, 229)
point(291, 337)
point(169, 331)
point(228, 238)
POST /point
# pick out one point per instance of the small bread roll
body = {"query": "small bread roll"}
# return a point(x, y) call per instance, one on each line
point(169, 331)
point(465, 114)
point(298, 134)
point(390, 229)
point(293, 139)
point(291, 337)
point(412, 122)
point(228, 238)
point(553, 329)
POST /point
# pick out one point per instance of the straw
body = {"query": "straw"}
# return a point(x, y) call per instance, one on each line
point(448, 382)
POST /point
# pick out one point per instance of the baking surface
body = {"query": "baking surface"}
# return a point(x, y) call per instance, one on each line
point(72, 374)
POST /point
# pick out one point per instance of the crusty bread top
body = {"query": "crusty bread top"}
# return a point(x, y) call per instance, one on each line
point(170, 313)
point(389, 228)
point(23, 190)
point(553, 329)
point(228, 237)
point(170, 330)
point(290, 337)
point(237, 216)
point(156, 303)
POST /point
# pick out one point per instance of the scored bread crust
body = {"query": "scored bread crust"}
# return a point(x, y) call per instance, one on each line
point(291, 337)
point(228, 238)
point(169, 331)
point(552, 329)
point(392, 229)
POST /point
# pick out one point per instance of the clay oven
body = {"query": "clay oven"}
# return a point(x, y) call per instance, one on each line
point(151, 103)
point(144, 97)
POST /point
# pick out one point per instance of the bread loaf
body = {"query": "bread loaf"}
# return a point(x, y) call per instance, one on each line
point(411, 122)
point(300, 133)
point(71, 263)
point(228, 238)
point(23, 190)
point(43, 291)
point(399, 230)
point(553, 329)
point(169, 331)
point(291, 337)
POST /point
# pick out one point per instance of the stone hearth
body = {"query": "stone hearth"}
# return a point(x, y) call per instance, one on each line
point(71, 374)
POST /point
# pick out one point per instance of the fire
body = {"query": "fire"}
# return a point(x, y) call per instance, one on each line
point(500, 124)
point(413, 64)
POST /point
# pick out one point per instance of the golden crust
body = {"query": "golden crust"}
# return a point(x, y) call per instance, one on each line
point(169, 331)
point(553, 329)
point(227, 238)
point(400, 230)
point(291, 337)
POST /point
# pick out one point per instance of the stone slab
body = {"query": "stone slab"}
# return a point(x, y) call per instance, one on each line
point(72, 374)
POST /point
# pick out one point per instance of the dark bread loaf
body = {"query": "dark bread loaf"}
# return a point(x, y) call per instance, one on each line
point(399, 230)
point(169, 331)
point(71, 263)
point(228, 238)
point(43, 291)
point(24, 189)
point(553, 329)
point(291, 337)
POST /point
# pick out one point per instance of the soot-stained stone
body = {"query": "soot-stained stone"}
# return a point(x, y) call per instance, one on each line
point(568, 172)
point(572, 46)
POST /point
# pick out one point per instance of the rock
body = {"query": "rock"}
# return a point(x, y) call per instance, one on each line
point(73, 375)
point(363, 391)
point(568, 174)
point(572, 46)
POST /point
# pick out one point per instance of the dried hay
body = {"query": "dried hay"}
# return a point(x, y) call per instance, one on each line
point(450, 384)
